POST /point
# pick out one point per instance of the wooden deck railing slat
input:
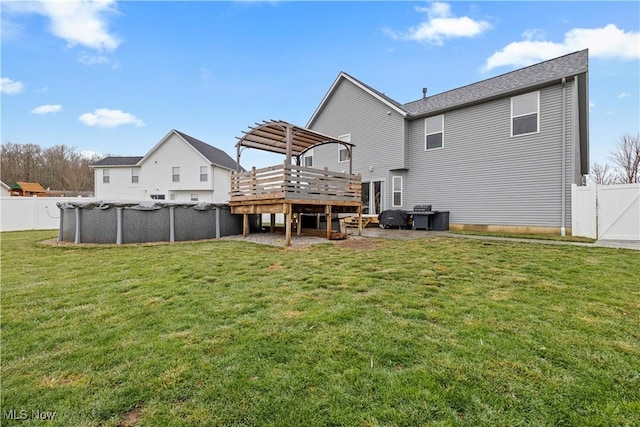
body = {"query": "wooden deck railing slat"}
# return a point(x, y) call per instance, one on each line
point(288, 181)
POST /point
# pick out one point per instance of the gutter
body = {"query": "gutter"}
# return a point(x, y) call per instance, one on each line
point(563, 221)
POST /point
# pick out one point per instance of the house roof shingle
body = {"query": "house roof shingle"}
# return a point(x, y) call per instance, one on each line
point(33, 187)
point(213, 154)
point(118, 161)
point(377, 92)
point(529, 77)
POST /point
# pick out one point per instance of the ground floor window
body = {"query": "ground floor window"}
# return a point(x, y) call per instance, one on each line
point(397, 191)
point(157, 196)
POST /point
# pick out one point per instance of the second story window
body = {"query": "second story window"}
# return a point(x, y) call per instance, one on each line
point(204, 173)
point(434, 132)
point(175, 174)
point(525, 117)
point(135, 175)
point(105, 176)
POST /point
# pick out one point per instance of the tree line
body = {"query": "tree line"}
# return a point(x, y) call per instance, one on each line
point(626, 163)
point(59, 167)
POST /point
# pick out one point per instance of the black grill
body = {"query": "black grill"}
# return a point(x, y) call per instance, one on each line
point(422, 215)
point(421, 209)
point(392, 218)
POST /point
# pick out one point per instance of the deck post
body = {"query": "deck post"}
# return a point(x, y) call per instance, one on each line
point(245, 225)
point(272, 226)
point(299, 224)
point(289, 141)
point(360, 220)
point(287, 221)
point(329, 222)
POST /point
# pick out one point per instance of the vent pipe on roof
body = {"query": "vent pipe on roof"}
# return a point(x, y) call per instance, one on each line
point(424, 92)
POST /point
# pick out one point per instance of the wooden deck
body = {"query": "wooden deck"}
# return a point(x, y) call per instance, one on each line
point(292, 190)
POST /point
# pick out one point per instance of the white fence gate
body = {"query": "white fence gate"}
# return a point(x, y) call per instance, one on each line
point(606, 212)
point(31, 213)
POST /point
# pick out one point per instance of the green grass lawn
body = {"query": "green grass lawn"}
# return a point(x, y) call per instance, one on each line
point(436, 331)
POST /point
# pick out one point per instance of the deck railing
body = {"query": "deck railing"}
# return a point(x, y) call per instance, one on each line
point(296, 183)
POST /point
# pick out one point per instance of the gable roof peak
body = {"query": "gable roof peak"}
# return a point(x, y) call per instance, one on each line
point(380, 96)
point(215, 155)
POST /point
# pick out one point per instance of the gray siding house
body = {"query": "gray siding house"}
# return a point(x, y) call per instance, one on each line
point(499, 154)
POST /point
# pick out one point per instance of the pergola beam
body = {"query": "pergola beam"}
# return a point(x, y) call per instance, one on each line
point(280, 137)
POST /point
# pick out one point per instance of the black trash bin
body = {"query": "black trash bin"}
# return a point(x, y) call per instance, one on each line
point(440, 221)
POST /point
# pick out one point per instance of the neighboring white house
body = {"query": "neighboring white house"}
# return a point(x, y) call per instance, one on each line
point(179, 168)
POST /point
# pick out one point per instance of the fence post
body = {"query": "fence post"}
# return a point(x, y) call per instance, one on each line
point(34, 207)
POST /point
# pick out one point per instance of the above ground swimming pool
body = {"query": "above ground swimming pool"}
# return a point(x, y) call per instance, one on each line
point(147, 221)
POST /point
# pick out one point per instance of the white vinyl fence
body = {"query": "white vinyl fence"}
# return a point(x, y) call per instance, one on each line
point(606, 212)
point(31, 213)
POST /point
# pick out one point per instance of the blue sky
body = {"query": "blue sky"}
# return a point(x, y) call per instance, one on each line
point(115, 77)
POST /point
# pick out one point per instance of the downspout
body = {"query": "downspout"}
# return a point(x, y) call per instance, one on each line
point(563, 229)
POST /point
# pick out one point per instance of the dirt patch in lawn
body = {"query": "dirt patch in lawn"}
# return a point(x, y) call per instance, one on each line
point(131, 418)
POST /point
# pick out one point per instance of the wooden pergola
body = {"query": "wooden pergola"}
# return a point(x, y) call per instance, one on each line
point(289, 188)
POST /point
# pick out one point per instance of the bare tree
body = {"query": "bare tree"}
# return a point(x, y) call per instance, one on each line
point(59, 167)
point(602, 174)
point(10, 169)
point(20, 162)
point(626, 156)
point(57, 160)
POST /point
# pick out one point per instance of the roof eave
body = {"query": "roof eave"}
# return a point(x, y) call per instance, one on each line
point(508, 93)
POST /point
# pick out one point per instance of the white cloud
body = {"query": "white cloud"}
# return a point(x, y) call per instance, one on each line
point(88, 59)
point(623, 95)
point(90, 154)
point(606, 42)
point(79, 22)
point(47, 109)
point(533, 34)
point(106, 118)
point(10, 87)
point(441, 25)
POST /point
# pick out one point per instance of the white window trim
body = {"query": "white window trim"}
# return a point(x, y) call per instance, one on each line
point(106, 176)
point(206, 175)
point(135, 173)
point(346, 138)
point(173, 175)
point(393, 191)
point(537, 92)
point(433, 133)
